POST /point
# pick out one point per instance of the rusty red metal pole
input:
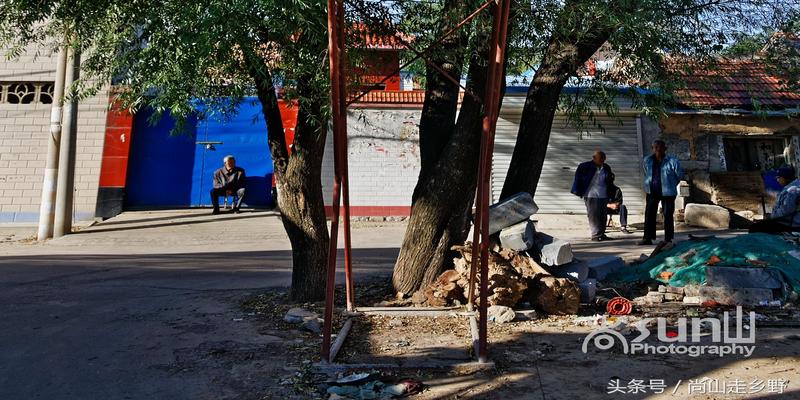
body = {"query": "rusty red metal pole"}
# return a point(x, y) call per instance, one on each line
point(492, 109)
point(334, 62)
point(343, 171)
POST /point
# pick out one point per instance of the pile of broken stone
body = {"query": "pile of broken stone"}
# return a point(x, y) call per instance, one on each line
point(527, 268)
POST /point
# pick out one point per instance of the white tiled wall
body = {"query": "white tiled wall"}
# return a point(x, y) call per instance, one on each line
point(23, 143)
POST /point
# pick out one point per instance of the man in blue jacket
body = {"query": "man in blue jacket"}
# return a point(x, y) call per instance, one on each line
point(662, 173)
point(592, 182)
point(785, 216)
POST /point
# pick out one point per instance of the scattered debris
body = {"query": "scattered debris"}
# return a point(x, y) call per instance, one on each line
point(298, 315)
point(313, 325)
point(513, 277)
point(376, 389)
point(550, 294)
point(500, 314)
point(506, 285)
point(354, 378)
point(526, 315)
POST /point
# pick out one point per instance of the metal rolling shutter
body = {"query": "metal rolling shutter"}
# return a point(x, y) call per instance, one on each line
point(566, 150)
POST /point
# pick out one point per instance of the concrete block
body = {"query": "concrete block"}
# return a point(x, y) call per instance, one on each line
point(510, 211)
point(691, 290)
point(735, 296)
point(674, 290)
point(588, 290)
point(518, 237)
point(600, 267)
point(707, 216)
point(673, 297)
point(692, 300)
point(554, 252)
point(649, 300)
point(577, 271)
point(733, 277)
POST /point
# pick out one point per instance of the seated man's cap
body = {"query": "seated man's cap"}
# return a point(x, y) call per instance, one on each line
point(786, 172)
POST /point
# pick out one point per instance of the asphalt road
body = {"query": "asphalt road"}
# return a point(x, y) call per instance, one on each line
point(145, 306)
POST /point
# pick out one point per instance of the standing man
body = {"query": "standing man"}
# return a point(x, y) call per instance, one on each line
point(785, 216)
point(662, 173)
point(228, 180)
point(591, 182)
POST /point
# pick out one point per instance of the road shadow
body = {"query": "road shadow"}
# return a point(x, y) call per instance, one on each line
point(193, 219)
point(188, 214)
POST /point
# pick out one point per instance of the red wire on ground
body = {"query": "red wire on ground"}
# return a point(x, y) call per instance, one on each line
point(619, 306)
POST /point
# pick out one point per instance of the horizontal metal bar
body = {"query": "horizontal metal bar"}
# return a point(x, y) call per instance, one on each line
point(472, 365)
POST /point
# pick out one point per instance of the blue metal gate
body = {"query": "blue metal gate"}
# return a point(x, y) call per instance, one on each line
point(168, 171)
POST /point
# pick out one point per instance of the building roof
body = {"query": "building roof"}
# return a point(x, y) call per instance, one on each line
point(741, 84)
point(371, 40)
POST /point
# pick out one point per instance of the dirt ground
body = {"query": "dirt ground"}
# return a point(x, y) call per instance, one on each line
point(185, 305)
point(535, 359)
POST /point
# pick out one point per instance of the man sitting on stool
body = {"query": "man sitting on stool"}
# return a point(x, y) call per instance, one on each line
point(785, 216)
point(615, 205)
point(228, 180)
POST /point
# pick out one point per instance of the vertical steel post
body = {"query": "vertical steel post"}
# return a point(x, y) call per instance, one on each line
point(344, 177)
point(62, 223)
point(47, 206)
point(489, 124)
point(334, 63)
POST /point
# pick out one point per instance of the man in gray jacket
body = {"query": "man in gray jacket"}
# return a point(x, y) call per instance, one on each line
point(228, 180)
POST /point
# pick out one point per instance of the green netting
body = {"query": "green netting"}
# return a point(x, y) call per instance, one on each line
point(773, 250)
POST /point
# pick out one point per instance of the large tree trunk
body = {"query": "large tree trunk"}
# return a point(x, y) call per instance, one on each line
point(298, 178)
point(445, 191)
point(302, 206)
point(437, 122)
point(561, 61)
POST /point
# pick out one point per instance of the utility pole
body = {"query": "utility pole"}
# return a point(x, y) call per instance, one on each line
point(47, 208)
point(66, 161)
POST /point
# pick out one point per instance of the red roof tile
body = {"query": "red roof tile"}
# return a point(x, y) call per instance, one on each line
point(745, 84)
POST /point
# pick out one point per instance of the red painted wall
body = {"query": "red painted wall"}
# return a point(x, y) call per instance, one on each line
point(116, 146)
point(379, 64)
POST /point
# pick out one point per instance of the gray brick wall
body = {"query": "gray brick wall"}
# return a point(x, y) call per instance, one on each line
point(383, 157)
point(23, 143)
